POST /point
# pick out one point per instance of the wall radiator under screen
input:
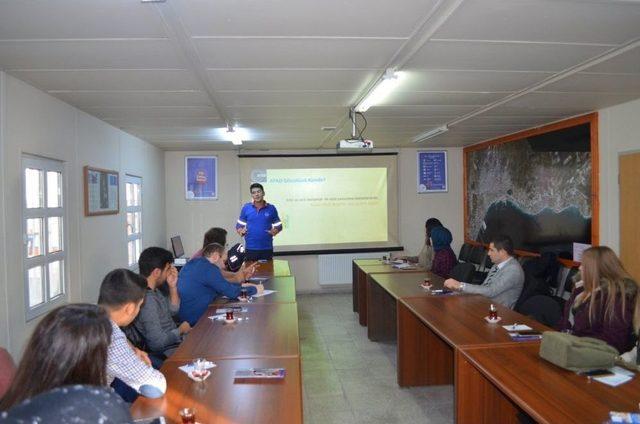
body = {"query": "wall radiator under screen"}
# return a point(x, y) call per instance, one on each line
point(336, 269)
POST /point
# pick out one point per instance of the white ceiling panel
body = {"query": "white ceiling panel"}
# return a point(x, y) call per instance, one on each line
point(405, 121)
point(91, 54)
point(278, 112)
point(288, 79)
point(580, 101)
point(167, 122)
point(110, 79)
point(601, 83)
point(296, 52)
point(441, 98)
point(544, 20)
point(628, 62)
point(286, 98)
point(502, 56)
point(84, 100)
point(302, 17)
point(161, 112)
point(477, 81)
point(527, 121)
point(427, 110)
point(78, 19)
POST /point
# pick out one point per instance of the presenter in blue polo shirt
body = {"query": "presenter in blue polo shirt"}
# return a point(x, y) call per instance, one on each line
point(258, 224)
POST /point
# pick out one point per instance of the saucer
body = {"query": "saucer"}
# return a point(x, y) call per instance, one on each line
point(492, 321)
point(230, 321)
point(243, 299)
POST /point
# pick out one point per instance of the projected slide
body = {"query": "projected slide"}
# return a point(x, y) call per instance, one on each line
point(320, 206)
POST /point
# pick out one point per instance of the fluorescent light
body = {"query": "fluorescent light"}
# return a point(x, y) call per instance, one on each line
point(233, 134)
point(382, 89)
point(430, 134)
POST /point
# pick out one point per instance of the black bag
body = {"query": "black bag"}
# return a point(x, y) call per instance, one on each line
point(235, 257)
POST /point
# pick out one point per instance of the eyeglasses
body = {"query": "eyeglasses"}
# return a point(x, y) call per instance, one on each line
point(256, 191)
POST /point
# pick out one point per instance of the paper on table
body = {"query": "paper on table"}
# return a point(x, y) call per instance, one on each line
point(620, 376)
point(264, 293)
point(404, 266)
point(189, 367)
point(217, 316)
point(517, 327)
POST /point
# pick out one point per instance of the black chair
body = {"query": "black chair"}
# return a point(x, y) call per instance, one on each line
point(478, 256)
point(544, 309)
point(465, 252)
point(463, 272)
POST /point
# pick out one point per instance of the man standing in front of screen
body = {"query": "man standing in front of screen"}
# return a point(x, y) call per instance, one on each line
point(258, 224)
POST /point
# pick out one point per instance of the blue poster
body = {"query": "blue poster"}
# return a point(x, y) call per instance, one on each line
point(201, 177)
point(432, 171)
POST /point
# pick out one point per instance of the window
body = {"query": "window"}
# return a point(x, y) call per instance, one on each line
point(133, 190)
point(44, 250)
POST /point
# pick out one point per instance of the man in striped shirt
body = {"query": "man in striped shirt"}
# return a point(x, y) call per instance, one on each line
point(258, 224)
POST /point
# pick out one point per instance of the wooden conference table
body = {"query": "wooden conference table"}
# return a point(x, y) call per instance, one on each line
point(269, 338)
point(361, 269)
point(497, 381)
point(445, 340)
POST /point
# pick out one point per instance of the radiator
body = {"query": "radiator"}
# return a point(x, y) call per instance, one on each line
point(336, 269)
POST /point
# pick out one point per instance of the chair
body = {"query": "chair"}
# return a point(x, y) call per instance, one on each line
point(7, 371)
point(478, 256)
point(544, 309)
point(463, 272)
point(465, 252)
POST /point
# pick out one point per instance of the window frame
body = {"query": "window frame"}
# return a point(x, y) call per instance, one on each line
point(45, 258)
point(133, 179)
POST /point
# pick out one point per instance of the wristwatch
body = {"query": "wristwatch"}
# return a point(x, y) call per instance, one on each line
point(462, 286)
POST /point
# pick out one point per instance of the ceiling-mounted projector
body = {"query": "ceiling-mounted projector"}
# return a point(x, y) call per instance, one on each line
point(355, 142)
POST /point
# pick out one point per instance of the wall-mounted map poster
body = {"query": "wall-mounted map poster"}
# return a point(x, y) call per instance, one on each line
point(537, 189)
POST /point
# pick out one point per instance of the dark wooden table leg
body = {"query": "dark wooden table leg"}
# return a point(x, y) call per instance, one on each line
point(381, 319)
point(354, 285)
point(424, 359)
point(362, 297)
point(477, 400)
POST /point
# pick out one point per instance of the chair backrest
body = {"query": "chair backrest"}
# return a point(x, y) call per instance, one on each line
point(544, 309)
point(7, 371)
point(478, 256)
point(465, 252)
point(176, 245)
point(463, 272)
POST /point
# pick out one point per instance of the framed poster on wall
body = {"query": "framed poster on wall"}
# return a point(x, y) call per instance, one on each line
point(201, 177)
point(432, 171)
point(101, 191)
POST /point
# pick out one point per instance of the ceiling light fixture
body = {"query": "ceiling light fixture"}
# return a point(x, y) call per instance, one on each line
point(234, 136)
point(380, 91)
point(430, 134)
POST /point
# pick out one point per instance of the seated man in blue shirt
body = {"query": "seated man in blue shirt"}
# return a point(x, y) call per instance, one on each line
point(258, 224)
point(200, 282)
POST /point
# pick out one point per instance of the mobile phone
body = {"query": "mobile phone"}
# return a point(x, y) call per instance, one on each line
point(600, 372)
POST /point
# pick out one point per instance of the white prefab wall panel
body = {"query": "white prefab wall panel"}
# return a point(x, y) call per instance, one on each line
point(32, 122)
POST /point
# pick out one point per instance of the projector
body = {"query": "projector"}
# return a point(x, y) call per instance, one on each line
point(352, 144)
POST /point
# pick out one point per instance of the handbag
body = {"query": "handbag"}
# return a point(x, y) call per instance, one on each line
point(576, 353)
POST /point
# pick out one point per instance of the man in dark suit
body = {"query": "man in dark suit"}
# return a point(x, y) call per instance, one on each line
point(505, 279)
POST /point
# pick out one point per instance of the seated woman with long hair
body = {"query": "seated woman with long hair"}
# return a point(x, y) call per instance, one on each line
point(606, 305)
point(68, 347)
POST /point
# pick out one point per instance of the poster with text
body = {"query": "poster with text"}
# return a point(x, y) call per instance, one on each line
point(201, 177)
point(432, 171)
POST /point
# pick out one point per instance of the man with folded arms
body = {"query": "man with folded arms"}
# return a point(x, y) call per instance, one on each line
point(201, 282)
point(505, 279)
point(121, 294)
point(161, 334)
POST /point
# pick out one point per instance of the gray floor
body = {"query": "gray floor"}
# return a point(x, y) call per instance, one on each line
point(348, 379)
